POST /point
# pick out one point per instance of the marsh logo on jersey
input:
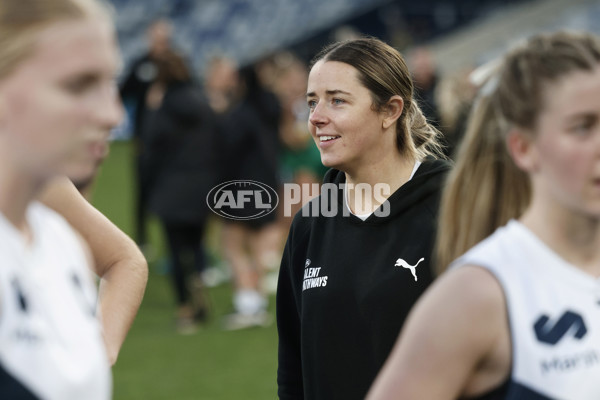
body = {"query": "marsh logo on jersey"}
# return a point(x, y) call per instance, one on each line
point(312, 277)
point(570, 325)
point(569, 322)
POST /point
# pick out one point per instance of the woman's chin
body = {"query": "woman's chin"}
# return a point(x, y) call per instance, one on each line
point(83, 176)
point(330, 163)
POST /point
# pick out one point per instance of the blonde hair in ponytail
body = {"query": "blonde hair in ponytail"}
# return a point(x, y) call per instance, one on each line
point(383, 71)
point(486, 189)
point(426, 137)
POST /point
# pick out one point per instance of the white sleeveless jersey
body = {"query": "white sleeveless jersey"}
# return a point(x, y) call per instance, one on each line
point(554, 316)
point(51, 345)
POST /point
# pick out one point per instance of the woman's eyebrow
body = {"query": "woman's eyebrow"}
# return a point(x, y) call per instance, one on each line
point(329, 92)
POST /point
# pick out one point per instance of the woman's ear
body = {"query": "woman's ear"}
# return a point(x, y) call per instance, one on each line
point(522, 150)
point(392, 111)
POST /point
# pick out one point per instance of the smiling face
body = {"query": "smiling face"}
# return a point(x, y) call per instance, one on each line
point(58, 106)
point(564, 158)
point(348, 133)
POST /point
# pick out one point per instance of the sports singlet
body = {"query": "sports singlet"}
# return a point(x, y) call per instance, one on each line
point(51, 345)
point(554, 315)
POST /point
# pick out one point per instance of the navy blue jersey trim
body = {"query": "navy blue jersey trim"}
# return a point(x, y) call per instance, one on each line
point(11, 388)
point(517, 391)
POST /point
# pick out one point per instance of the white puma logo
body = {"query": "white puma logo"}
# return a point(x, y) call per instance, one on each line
point(401, 263)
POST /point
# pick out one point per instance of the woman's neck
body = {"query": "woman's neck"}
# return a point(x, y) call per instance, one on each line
point(377, 182)
point(574, 236)
point(17, 191)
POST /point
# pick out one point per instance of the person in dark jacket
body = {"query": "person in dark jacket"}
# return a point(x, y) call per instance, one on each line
point(139, 78)
point(251, 131)
point(181, 131)
point(359, 255)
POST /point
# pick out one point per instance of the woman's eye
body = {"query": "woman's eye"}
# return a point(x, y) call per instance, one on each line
point(312, 104)
point(79, 85)
point(338, 101)
point(584, 127)
point(76, 87)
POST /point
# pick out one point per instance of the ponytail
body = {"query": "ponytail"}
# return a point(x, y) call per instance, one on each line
point(425, 137)
point(484, 191)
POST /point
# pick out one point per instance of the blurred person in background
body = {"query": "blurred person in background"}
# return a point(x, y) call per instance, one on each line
point(516, 316)
point(221, 83)
point(58, 103)
point(140, 76)
point(347, 281)
point(425, 78)
point(251, 132)
point(300, 157)
point(454, 96)
point(180, 132)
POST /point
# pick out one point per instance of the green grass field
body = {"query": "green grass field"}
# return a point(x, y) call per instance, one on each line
point(156, 362)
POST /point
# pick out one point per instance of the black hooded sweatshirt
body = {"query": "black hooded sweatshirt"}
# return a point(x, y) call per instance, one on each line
point(345, 288)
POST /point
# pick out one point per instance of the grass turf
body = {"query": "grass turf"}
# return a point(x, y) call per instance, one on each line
point(155, 362)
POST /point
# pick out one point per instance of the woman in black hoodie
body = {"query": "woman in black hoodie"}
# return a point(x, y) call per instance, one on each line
point(358, 256)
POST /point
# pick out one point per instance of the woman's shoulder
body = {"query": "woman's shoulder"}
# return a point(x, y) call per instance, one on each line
point(40, 213)
point(464, 298)
point(433, 167)
point(49, 222)
point(473, 282)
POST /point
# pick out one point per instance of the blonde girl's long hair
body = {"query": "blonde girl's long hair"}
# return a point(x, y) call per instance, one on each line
point(486, 189)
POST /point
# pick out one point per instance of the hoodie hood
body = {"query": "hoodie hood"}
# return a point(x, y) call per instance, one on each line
point(427, 181)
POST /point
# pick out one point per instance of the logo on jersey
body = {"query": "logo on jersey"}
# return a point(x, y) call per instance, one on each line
point(569, 322)
point(312, 277)
point(21, 300)
point(81, 293)
point(413, 268)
